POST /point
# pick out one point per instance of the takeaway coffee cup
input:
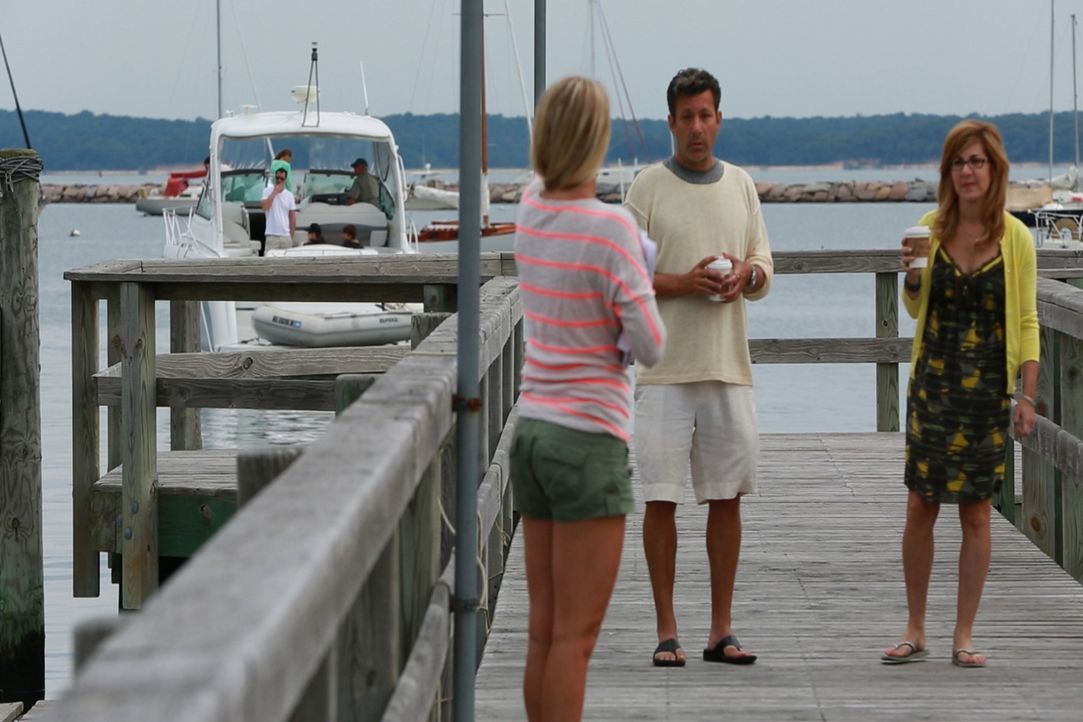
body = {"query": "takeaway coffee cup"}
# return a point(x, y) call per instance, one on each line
point(916, 238)
point(724, 266)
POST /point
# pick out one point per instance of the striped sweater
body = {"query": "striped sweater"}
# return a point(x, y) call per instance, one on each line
point(583, 281)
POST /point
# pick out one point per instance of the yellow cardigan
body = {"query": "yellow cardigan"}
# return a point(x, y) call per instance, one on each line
point(1020, 296)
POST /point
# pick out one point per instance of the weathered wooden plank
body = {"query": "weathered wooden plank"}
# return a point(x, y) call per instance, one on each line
point(139, 507)
point(277, 363)
point(830, 350)
point(184, 427)
point(85, 459)
point(257, 468)
point(10, 711)
point(293, 394)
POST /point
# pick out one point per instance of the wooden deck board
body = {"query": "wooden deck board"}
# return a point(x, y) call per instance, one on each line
point(819, 593)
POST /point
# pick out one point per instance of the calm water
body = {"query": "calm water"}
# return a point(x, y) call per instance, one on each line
point(790, 398)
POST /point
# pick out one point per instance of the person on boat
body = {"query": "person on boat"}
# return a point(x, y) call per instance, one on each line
point(977, 331)
point(280, 208)
point(586, 295)
point(349, 236)
point(284, 159)
point(315, 234)
point(696, 406)
point(365, 189)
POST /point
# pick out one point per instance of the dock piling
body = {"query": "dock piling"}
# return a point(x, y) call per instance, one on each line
point(22, 600)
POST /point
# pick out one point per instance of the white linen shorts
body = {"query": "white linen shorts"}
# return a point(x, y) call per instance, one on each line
point(707, 428)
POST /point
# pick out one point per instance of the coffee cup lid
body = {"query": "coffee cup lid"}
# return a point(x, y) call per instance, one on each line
point(917, 232)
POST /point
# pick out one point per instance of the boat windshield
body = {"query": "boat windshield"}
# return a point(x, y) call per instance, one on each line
point(325, 152)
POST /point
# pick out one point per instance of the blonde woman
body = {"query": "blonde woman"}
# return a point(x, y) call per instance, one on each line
point(977, 332)
point(587, 295)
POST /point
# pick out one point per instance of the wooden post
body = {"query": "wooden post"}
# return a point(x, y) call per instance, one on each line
point(139, 454)
point(423, 324)
point(85, 454)
point(440, 298)
point(1041, 488)
point(1070, 388)
point(184, 428)
point(887, 374)
point(112, 357)
point(348, 388)
point(22, 599)
point(256, 468)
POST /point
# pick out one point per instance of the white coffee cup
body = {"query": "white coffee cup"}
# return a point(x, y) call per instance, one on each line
point(917, 239)
point(724, 266)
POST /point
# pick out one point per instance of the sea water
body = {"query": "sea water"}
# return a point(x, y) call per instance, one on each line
point(790, 398)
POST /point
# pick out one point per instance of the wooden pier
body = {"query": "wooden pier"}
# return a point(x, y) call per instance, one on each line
point(327, 596)
point(819, 594)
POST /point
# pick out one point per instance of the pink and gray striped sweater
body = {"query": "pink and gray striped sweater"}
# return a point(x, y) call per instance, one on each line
point(583, 280)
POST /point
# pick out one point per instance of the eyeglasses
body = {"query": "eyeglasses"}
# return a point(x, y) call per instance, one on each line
point(976, 162)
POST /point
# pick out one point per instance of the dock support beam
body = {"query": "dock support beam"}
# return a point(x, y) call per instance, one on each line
point(22, 599)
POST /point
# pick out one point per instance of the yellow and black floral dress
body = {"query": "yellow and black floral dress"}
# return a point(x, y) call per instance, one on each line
point(958, 408)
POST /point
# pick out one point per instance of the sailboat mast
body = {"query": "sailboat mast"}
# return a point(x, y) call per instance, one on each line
point(1052, 20)
point(1075, 94)
point(218, 29)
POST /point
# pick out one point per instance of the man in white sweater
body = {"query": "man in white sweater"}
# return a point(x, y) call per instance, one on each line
point(695, 408)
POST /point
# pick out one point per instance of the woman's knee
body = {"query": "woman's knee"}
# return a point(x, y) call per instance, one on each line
point(975, 517)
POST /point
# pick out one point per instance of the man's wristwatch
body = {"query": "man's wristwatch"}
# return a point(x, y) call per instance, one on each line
point(752, 276)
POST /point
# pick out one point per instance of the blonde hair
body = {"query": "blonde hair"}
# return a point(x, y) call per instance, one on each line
point(571, 133)
point(992, 206)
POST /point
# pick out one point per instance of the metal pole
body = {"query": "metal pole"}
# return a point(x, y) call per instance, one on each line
point(539, 50)
point(467, 401)
point(1052, 17)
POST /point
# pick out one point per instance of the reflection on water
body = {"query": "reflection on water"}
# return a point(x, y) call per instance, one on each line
point(236, 428)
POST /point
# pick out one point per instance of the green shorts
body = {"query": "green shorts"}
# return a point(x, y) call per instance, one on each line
point(567, 475)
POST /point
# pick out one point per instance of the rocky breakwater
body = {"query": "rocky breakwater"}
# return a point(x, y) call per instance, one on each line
point(95, 193)
point(915, 191)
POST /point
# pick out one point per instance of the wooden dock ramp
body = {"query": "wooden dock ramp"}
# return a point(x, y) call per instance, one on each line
point(819, 594)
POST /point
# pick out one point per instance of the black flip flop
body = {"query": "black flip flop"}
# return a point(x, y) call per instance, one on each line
point(717, 653)
point(670, 645)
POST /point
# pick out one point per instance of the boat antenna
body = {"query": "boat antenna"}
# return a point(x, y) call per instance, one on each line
point(313, 70)
point(364, 89)
point(218, 30)
point(527, 107)
point(18, 108)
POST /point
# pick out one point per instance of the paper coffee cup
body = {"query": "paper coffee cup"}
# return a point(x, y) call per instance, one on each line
point(724, 266)
point(916, 238)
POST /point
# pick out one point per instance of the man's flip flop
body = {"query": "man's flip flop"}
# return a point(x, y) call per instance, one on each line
point(915, 655)
point(966, 665)
point(670, 645)
point(717, 653)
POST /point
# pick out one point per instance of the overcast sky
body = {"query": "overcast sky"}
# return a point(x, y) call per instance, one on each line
point(773, 57)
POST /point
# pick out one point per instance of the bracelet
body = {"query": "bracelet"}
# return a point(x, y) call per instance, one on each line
point(1033, 403)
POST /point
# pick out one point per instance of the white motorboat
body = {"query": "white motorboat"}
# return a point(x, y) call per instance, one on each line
point(229, 222)
point(178, 194)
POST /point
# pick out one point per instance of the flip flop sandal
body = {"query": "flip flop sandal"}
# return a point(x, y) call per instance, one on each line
point(670, 645)
point(966, 665)
point(916, 655)
point(717, 653)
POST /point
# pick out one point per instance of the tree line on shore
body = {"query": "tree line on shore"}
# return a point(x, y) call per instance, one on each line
point(87, 141)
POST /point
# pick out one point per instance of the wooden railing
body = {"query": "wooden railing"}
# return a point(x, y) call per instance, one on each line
point(1051, 510)
point(307, 604)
